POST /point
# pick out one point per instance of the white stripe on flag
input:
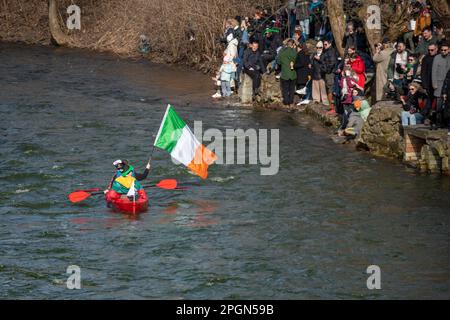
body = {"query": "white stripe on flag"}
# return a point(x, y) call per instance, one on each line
point(184, 151)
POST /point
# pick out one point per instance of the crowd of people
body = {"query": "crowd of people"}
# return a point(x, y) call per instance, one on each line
point(297, 45)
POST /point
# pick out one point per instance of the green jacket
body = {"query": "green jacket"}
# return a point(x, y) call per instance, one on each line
point(284, 59)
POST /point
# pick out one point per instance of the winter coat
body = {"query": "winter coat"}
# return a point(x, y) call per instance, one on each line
point(391, 67)
point(412, 103)
point(329, 60)
point(382, 61)
point(226, 72)
point(426, 70)
point(422, 46)
point(232, 48)
point(440, 68)
point(317, 72)
point(349, 40)
point(284, 59)
point(347, 84)
point(359, 67)
point(302, 67)
point(253, 60)
point(446, 86)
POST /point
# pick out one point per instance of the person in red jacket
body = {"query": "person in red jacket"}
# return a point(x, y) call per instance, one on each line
point(357, 65)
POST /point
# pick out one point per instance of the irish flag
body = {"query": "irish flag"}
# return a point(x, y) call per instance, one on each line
point(175, 137)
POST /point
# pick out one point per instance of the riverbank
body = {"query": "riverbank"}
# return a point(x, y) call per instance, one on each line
point(179, 32)
point(382, 134)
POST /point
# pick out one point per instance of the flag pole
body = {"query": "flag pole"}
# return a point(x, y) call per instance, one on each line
point(158, 133)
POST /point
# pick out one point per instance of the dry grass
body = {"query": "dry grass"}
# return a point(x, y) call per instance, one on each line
point(116, 25)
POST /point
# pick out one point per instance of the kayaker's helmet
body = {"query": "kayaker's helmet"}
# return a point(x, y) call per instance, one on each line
point(119, 164)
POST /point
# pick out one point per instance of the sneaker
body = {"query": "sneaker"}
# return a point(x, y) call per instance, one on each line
point(303, 102)
point(278, 77)
point(216, 95)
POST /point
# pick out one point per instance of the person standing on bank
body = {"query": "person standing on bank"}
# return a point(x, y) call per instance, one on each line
point(253, 65)
point(425, 75)
point(441, 65)
point(286, 61)
point(319, 90)
point(328, 65)
point(381, 58)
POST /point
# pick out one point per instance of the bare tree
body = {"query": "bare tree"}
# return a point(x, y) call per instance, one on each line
point(57, 36)
point(337, 21)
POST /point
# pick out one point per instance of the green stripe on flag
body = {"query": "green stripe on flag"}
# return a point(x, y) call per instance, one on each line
point(170, 130)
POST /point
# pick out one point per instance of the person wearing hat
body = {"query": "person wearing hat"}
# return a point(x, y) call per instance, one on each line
point(299, 37)
point(125, 176)
point(271, 43)
point(358, 116)
point(381, 58)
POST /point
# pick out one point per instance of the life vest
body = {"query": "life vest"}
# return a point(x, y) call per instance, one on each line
point(124, 181)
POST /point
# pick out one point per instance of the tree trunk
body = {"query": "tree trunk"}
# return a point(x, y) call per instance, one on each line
point(57, 36)
point(373, 32)
point(442, 8)
point(337, 21)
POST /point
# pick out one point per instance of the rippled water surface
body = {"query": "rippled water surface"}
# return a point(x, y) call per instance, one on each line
point(308, 232)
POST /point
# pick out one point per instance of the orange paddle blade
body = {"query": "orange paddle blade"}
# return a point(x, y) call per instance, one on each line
point(78, 196)
point(167, 184)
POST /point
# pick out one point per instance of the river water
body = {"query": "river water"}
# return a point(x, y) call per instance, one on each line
point(309, 232)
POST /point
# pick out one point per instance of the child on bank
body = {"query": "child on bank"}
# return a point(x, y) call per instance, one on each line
point(224, 77)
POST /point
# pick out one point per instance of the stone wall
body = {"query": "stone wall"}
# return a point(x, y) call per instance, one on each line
point(382, 132)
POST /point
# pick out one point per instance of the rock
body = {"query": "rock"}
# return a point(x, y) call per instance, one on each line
point(245, 89)
point(381, 132)
point(270, 91)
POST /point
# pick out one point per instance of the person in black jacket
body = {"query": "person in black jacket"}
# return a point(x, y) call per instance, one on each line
point(425, 75)
point(328, 65)
point(349, 40)
point(446, 99)
point(411, 105)
point(253, 65)
point(257, 26)
point(302, 67)
point(271, 43)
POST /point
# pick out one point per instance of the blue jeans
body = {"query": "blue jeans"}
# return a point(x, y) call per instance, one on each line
point(226, 88)
point(413, 118)
point(240, 64)
point(305, 27)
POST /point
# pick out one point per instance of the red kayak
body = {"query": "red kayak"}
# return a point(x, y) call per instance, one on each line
point(120, 202)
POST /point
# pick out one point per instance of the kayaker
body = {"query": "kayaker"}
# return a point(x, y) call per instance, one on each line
point(124, 178)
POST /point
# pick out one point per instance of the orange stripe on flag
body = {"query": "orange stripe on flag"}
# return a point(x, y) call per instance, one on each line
point(202, 159)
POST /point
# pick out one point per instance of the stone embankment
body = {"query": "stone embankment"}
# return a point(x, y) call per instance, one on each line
point(382, 134)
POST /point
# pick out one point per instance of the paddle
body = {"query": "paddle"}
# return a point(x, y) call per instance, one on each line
point(164, 184)
point(80, 195)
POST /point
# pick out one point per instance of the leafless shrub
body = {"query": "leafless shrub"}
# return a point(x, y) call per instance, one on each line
point(116, 25)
